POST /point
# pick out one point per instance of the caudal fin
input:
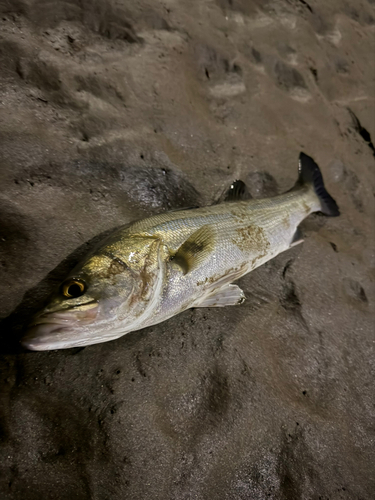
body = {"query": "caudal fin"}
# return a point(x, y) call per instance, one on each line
point(309, 173)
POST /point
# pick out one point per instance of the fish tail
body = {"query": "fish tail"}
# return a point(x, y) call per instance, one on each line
point(310, 174)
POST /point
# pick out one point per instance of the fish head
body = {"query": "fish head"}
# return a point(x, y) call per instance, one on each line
point(107, 295)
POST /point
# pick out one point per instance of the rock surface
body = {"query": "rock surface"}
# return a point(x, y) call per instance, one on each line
point(112, 110)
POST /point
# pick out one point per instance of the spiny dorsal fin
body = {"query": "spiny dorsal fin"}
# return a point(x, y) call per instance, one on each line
point(195, 249)
point(237, 191)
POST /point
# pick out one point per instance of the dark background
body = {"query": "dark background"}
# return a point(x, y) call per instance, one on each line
point(113, 110)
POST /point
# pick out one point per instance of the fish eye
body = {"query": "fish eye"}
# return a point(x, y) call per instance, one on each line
point(73, 288)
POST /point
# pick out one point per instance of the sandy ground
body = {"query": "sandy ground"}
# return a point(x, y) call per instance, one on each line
point(112, 110)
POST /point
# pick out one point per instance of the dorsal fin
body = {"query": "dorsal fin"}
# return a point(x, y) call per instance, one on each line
point(237, 191)
point(183, 208)
point(195, 249)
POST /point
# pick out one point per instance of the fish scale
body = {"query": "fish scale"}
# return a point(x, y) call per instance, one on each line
point(155, 268)
point(278, 219)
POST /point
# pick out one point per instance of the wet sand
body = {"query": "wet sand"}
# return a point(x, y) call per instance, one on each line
point(110, 111)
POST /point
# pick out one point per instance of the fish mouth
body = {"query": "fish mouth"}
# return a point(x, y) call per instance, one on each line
point(56, 330)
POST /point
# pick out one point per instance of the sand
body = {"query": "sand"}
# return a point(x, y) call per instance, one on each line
point(113, 110)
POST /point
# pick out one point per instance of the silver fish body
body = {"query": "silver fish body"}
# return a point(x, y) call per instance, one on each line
point(158, 267)
point(241, 236)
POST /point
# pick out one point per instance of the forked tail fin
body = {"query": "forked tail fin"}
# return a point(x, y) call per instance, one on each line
point(309, 173)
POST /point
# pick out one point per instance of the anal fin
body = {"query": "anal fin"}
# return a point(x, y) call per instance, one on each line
point(229, 295)
point(297, 238)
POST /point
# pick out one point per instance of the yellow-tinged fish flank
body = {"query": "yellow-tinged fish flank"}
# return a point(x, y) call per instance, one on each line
point(157, 267)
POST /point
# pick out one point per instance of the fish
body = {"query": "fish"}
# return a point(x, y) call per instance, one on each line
point(153, 269)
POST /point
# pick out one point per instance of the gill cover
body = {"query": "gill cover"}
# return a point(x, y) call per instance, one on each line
point(122, 286)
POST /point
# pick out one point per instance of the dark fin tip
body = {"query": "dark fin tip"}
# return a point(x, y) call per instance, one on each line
point(309, 173)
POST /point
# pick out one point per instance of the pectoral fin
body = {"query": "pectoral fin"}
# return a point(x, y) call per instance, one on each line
point(230, 295)
point(195, 249)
